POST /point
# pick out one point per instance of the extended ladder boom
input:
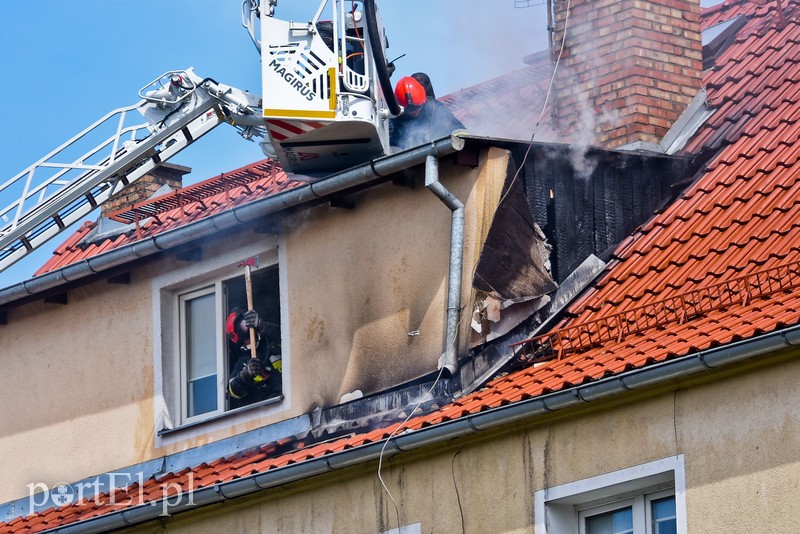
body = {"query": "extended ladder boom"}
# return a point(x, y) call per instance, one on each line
point(61, 189)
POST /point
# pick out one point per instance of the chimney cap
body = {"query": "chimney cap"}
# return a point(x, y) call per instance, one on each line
point(172, 169)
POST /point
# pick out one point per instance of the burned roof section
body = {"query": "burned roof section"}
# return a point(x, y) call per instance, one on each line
point(586, 199)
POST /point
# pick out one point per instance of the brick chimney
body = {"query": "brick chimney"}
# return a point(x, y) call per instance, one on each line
point(628, 70)
point(142, 189)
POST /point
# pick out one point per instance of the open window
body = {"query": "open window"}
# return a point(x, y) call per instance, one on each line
point(197, 356)
point(208, 359)
point(266, 301)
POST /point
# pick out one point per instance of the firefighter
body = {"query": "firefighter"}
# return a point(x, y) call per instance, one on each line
point(425, 82)
point(424, 118)
point(257, 378)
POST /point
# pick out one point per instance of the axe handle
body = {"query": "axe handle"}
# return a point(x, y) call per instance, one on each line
point(248, 285)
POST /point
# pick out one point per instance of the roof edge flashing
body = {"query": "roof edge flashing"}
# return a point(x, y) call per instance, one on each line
point(694, 116)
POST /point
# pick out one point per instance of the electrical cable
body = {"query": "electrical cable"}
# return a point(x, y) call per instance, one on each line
point(395, 431)
point(455, 485)
point(675, 419)
point(516, 175)
point(536, 126)
point(544, 105)
point(401, 425)
point(438, 377)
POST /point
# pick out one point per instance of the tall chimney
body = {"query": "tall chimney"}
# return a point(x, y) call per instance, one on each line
point(143, 188)
point(628, 69)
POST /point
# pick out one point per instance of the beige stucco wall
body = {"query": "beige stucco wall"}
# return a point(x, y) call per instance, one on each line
point(79, 381)
point(76, 386)
point(740, 437)
point(362, 279)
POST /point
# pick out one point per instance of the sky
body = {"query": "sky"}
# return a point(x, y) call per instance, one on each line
point(66, 63)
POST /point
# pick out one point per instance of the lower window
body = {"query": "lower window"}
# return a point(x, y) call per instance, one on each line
point(643, 499)
point(209, 359)
point(642, 514)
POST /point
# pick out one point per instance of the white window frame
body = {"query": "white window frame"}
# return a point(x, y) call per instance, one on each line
point(648, 506)
point(169, 403)
point(219, 351)
point(639, 503)
point(585, 513)
point(563, 509)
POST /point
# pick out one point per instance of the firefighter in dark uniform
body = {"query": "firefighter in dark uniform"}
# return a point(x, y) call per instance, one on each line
point(252, 379)
point(424, 118)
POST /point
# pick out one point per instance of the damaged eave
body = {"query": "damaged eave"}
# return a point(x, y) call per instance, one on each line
point(513, 263)
point(560, 204)
point(386, 445)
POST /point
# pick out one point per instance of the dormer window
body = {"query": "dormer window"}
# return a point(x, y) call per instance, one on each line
point(198, 356)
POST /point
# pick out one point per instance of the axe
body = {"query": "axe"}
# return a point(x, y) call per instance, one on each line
point(248, 286)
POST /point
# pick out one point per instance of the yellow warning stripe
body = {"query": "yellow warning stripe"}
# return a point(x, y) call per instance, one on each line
point(332, 88)
point(295, 114)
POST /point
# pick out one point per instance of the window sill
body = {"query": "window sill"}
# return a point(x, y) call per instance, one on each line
point(217, 417)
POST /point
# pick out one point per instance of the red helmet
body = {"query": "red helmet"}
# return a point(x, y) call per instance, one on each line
point(409, 92)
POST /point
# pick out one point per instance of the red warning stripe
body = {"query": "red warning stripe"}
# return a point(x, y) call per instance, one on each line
point(287, 126)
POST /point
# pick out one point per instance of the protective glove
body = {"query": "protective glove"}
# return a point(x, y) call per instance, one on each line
point(254, 367)
point(251, 371)
point(275, 361)
point(251, 319)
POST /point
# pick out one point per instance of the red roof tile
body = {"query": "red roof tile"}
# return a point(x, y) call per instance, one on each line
point(737, 221)
point(192, 203)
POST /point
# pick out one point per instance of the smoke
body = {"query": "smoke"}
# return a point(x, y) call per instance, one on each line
point(504, 111)
point(589, 123)
point(582, 123)
point(459, 43)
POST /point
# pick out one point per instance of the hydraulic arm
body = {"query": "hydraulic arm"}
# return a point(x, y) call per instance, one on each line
point(62, 187)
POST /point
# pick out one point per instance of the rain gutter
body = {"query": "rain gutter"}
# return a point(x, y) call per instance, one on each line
point(337, 183)
point(515, 413)
point(449, 359)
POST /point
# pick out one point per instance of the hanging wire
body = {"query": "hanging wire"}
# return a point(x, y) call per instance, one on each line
point(395, 431)
point(455, 485)
point(410, 415)
point(530, 145)
point(544, 105)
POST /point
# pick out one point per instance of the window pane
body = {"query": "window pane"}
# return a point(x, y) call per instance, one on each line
point(614, 522)
point(201, 365)
point(202, 395)
point(664, 518)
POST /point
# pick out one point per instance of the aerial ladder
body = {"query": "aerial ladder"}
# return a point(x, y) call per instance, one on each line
point(324, 109)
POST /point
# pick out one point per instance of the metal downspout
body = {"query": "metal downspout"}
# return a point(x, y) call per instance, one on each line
point(449, 359)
